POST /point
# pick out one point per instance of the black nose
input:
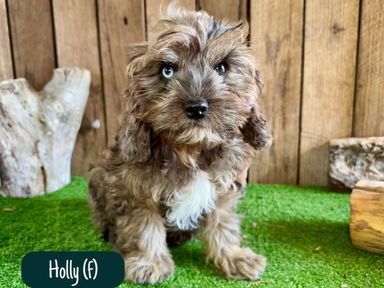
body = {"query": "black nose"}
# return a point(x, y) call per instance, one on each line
point(196, 109)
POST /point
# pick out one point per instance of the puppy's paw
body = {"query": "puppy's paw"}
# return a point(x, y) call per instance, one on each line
point(241, 263)
point(146, 270)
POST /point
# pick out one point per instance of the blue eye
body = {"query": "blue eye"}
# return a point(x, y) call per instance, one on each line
point(167, 71)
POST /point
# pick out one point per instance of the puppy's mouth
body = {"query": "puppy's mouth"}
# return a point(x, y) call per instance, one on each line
point(198, 134)
point(193, 123)
point(199, 130)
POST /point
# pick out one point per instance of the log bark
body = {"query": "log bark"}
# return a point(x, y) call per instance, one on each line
point(367, 216)
point(355, 159)
point(38, 132)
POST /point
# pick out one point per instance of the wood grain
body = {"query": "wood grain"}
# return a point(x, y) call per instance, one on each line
point(32, 40)
point(6, 70)
point(231, 10)
point(331, 28)
point(121, 23)
point(153, 8)
point(366, 219)
point(369, 103)
point(77, 45)
point(278, 48)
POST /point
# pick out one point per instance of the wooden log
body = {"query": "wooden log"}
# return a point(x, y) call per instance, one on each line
point(38, 132)
point(354, 159)
point(367, 214)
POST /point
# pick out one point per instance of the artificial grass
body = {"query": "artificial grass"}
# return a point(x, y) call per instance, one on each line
point(303, 231)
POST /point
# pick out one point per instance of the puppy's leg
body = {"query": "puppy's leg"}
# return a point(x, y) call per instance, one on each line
point(141, 239)
point(222, 234)
point(97, 202)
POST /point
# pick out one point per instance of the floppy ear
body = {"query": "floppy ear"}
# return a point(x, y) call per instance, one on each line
point(134, 136)
point(134, 52)
point(255, 129)
point(134, 140)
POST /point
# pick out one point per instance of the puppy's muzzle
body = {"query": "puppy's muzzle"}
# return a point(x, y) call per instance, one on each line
point(196, 109)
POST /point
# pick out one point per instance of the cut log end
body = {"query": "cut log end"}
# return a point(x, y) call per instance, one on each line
point(367, 216)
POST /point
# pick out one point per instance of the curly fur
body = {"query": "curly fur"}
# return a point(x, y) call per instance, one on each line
point(168, 176)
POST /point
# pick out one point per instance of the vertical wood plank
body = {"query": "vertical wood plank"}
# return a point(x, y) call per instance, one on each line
point(329, 78)
point(369, 103)
point(32, 40)
point(231, 10)
point(121, 23)
point(278, 48)
point(153, 11)
point(6, 70)
point(77, 45)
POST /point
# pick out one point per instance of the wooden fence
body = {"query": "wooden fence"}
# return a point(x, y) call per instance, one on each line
point(322, 62)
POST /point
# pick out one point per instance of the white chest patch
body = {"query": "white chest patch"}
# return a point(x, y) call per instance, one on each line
point(187, 205)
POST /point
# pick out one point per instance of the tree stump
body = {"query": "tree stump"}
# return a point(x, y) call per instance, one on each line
point(38, 132)
point(355, 159)
point(367, 216)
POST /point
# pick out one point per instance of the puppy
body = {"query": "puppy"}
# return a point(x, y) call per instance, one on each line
point(190, 126)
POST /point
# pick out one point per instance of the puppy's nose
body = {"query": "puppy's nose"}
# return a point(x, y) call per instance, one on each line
point(196, 109)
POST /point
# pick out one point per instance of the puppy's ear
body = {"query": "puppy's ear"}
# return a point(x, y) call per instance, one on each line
point(134, 52)
point(255, 129)
point(134, 140)
point(134, 136)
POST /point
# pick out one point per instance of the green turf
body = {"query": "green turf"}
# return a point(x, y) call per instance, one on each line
point(302, 231)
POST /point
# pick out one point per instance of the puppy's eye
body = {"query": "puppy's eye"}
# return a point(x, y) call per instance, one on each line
point(167, 71)
point(221, 68)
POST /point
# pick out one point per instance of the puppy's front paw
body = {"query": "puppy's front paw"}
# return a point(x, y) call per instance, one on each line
point(146, 270)
point(241, 263)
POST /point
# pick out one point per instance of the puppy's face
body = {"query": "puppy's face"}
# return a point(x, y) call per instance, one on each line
point(196, 83)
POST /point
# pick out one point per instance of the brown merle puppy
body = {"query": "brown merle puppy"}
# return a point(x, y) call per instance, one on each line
point(187, 136)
